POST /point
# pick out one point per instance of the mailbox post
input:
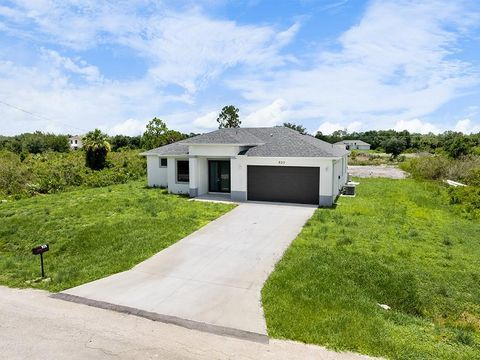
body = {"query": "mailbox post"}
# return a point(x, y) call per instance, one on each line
point(39, 250)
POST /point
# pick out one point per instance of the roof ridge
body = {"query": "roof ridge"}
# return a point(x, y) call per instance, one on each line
point(303, 137)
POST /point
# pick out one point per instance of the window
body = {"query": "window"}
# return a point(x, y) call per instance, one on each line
point(163, 162)
point(183, 171)
point(71, 141)
point(75, 142)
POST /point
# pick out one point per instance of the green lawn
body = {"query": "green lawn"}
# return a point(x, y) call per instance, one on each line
point(399, 243)
point(93, 233)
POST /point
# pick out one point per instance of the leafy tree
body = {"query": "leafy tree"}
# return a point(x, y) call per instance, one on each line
point(58, 143)
point(458, 147)
point(13, 145)
point(394, 146)
point(319, 135)
point(34, 143)
point(157, 134)
point(298, 128)
point(124, 142)
point(172, 136)
point(153, 136)
point(96, 148)
point(228, 117)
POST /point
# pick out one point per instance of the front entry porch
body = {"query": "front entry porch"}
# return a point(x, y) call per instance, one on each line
point(219, 176)
point(209, 175)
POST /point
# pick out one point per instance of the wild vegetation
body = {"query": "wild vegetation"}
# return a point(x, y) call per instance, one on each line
point(52, 172)
point(34, 143)
point(41, 163)
point(399, 243)
point(93, 233)
point(372, 157)
point(465, 170)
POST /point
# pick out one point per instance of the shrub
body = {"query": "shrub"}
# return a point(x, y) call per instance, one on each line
point(13, 174)
point(96, 147)
point(468, 197)
point(466, 169)
point(394, 146)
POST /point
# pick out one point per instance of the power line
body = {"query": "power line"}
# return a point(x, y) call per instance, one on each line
point(41, 117)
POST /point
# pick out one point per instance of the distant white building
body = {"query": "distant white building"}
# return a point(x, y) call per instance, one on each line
point(75, 142)
point(354, 144)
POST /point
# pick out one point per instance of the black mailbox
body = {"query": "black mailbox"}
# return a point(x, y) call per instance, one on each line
point(40, 249)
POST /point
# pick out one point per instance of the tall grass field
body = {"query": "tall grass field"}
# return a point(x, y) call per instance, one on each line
point(398, 243)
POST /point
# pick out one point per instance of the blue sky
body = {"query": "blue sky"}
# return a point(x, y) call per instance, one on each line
point(333, 64)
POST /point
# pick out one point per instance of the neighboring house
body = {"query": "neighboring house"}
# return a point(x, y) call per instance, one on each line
point(354, 144)
point(75, 142)
point(262, 164)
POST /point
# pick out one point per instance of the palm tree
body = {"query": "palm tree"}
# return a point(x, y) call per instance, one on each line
point(96, 147)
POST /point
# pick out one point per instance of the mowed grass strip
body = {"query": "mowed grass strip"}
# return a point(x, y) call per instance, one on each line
point(93, 233)
point(398, 243)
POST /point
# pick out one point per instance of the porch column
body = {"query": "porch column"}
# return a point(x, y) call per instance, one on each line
point(193, 175)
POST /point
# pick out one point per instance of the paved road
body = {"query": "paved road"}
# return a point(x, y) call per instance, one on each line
point(215, 275)
point(35, 326)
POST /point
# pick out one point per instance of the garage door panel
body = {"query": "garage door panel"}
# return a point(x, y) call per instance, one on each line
point(283, 184)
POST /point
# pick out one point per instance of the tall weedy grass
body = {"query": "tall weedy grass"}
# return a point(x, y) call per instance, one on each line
point(52, 172)
point(465, 169)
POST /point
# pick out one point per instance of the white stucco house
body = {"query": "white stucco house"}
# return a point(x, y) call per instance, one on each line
point(354, 144)
point(75, 142)
point(260, 164)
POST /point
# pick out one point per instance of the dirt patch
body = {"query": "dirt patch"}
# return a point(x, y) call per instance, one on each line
point(384, 171)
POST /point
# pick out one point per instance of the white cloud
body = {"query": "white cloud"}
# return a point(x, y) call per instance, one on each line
point(191, 50)
point(467, 126)
point(70, 108)
point(416, 126)
point(327, 127)
point(187, 48)
point(89, 72)
point(273, 114)
point(397, 62)
point(207, 121)
point(354, 126)
point(78, 25)
point(129, 127)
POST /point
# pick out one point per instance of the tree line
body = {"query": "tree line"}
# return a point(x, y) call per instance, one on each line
point(454, 144)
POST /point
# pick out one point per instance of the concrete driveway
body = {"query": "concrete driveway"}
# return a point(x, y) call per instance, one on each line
point(210, 280)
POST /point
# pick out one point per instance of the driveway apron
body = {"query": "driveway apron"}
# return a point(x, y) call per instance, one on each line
point(213, 276)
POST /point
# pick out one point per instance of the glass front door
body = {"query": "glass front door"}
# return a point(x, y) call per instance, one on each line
point(219, 176)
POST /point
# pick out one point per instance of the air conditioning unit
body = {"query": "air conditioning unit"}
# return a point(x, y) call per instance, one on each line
point(348, 189)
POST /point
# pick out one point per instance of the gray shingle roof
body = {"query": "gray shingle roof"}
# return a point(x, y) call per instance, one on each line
point(264, 142)
point(177, 148)
point(286, 142)
point(227, 136)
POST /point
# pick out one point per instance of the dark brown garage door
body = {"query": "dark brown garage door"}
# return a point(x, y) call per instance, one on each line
point(283, 184)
